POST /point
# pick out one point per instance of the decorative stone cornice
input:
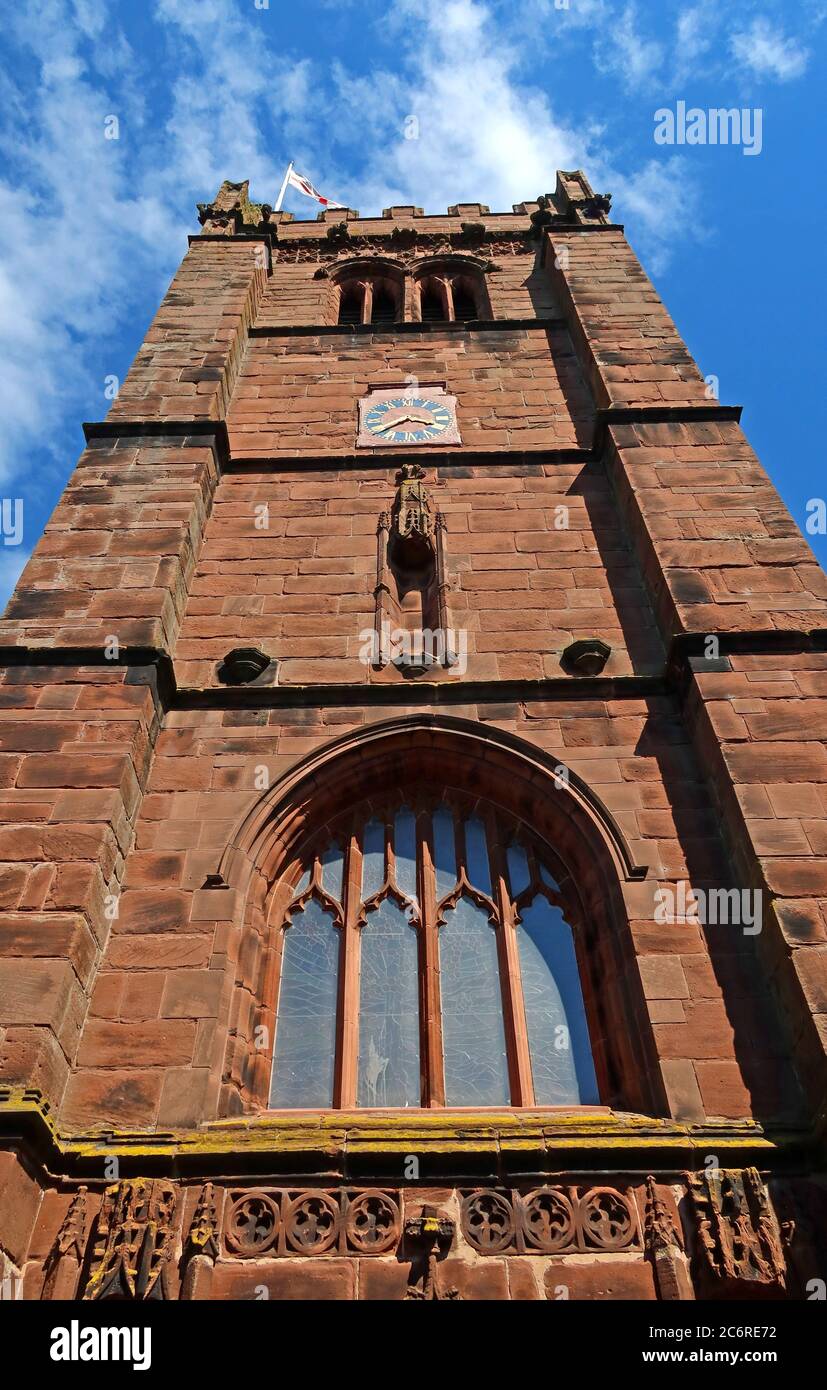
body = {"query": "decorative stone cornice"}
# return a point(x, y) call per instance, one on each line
point(405, 244)
point(499, 1143)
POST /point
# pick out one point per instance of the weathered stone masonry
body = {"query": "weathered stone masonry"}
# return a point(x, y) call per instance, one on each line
point(598, 496)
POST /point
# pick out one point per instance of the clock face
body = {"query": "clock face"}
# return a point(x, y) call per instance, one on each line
point(407, 420)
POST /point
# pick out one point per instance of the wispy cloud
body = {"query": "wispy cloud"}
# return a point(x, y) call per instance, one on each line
point(625, 50)
point(767, 52)
point(76, 235)
point(456, 123)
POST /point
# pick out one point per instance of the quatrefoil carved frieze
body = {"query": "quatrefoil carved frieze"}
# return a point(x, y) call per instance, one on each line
point(549, 1220)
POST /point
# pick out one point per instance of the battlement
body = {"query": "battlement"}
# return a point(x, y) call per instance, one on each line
point(573, 203)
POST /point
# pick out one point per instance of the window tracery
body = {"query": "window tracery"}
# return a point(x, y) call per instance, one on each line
point(425, 958)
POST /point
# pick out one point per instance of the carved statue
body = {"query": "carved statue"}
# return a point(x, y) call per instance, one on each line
point(431, 1234)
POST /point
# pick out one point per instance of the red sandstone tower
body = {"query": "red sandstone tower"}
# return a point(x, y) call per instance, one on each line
point(414, 794)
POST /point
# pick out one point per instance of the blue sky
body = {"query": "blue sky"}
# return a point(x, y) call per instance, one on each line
point(503, 95)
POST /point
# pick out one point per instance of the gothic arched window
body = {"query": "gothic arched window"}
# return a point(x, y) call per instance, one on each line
point(351, 300)
point(432, 306)
point(465, 304)
point(447, 292)
point(424, 958)
point(383, 307)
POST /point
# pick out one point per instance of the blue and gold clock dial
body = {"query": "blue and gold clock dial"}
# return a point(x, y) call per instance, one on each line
point(408, 420)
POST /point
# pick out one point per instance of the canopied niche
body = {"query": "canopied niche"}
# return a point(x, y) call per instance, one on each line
point(411, 619)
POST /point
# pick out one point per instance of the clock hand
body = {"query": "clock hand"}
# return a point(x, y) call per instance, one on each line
point(408, 417)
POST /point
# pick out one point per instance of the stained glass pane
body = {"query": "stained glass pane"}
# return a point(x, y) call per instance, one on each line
point(389, 1010)
point(476, 1070)
point(518, 874)
point(306, 1022)
point(445, 858)
point(373, 861)
point(558, 1036)
point(476, 853)
point(404, 847)
point(332, 868)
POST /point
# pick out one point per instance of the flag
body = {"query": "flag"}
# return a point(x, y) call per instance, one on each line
point(305, 186)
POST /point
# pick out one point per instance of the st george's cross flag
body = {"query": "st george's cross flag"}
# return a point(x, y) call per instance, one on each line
point(305, 186)
point(295, 180)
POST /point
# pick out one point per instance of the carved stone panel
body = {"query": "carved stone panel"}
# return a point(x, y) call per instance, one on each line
point(739, 1247)
point(252, 1224)
point(550, 1221)
point(314, 1222)
point(133, 1241)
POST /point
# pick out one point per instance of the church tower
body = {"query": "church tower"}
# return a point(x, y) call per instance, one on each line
point(414, 794)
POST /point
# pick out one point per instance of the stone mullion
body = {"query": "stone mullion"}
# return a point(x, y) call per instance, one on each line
point(430, 1003)
point(347, 1025)
point(516, 1029)
point(449, 299)
point(367, 301)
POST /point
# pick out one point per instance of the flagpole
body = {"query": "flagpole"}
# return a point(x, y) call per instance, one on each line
point(283, 189)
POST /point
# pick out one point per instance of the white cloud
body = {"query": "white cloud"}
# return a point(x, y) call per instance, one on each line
point(626, 52)
point(766, 52)
point(484, 135)
point(695, 32)
point(229, 87)
point(661, 202)
point(479, 134)
point(76, 238)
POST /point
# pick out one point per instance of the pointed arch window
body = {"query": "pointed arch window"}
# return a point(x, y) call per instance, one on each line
point(351, 303)
point(432, 305)
point(465, 305)
point(383, 307)
point(425, 958)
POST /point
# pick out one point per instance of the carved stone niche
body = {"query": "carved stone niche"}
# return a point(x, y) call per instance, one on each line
point(410, 597)
point(133, 1241)
point(739, 1253)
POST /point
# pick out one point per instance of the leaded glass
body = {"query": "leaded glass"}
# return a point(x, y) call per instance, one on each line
point(404, 848)
point(332, 868)
point(473, 1036)
point(306, 1022)
point(476, 854)
point(561, 1059)
point(518, 874)
point(445, 858)
point(389, 1010)
point(373, 858)
point(362, 1036)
